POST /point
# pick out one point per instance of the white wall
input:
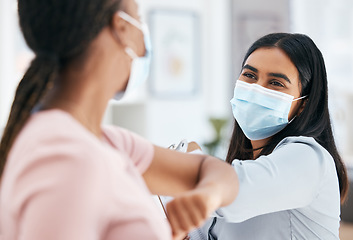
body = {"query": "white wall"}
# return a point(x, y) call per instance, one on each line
point(330, 24)
point(165, 121)
point(170, 120)
point(7, 57)
point(253, 19)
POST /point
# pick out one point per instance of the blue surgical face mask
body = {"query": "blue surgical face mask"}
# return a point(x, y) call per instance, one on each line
point(260, 112)
point(140, 66)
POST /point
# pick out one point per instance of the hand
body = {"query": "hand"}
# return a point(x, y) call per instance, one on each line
point(189, 211)
point(192, 146)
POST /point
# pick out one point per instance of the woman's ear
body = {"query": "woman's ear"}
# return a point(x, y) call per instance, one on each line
point(302, 106)
point(119, 29)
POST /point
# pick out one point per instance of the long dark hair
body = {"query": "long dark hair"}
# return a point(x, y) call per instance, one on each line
point(59, 32)
point(314, 120)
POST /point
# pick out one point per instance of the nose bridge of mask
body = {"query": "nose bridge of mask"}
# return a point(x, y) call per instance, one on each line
point(279, 102)
point(270, 92)
point(264, 91)
point(300, 98)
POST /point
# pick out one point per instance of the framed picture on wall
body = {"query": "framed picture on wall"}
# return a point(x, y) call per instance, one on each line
point(249, 24)
point(255, 25)
point(175, 69)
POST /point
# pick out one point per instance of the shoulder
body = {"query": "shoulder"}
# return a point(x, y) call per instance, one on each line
point(122, 137)
point(300, 139)
point(127, 142)
point(138, 149)
point(306, 150)
point(305, 143)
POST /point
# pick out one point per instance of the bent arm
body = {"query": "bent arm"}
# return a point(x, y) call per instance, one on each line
point(200, 184)
point(289, 178)
point(172, 173)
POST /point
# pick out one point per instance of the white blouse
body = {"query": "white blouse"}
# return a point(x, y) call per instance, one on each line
point(292, 193)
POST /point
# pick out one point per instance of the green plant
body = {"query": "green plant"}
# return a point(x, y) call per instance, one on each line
point(217, 124)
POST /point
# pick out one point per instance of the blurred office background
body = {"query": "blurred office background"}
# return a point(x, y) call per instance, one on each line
point(198, 49)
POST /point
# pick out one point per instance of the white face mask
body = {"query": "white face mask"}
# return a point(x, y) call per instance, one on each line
point(260, 112)
point(140, 66)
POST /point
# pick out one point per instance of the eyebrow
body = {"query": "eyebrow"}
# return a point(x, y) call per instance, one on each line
point(279, 75)
point(251, 68)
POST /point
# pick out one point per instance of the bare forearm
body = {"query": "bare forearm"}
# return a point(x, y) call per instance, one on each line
point(173, 173)
point(200, 184)
point(219, 178)
point(216, 185)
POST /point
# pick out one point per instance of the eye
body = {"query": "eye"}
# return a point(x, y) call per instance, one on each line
point(249, 75)
point(277, 83)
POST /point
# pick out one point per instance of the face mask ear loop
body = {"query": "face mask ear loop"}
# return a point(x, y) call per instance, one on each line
point(294, 101)
point(300, 98)
point(130, 20)
point(131, 53)
point(292, 120)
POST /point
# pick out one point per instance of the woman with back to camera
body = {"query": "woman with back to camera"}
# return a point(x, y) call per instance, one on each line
point(63, 175)
point(291, 177)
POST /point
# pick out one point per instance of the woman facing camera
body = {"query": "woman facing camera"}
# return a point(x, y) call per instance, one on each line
point(291, 177)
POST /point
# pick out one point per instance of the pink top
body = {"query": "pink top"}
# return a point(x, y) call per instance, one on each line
point(62, 182)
